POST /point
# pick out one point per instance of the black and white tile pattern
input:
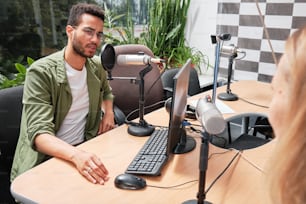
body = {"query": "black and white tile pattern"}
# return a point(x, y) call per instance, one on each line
point(241, 19)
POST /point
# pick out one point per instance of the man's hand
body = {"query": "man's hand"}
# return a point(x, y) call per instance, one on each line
point(88, 164)
point(107, 122)
point(91, 167)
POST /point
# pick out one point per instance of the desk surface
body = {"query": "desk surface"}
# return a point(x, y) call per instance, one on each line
point(57, 181)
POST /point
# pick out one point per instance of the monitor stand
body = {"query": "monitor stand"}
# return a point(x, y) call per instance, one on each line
point(186, 144)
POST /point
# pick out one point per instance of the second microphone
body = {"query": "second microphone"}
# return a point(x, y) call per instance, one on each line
point(140, 59)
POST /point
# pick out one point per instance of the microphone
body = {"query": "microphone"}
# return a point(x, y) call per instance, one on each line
point(138, 59)
point(209, 116)
point(230, 49)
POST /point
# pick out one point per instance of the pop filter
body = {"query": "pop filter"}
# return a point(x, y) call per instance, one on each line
point(108, 57)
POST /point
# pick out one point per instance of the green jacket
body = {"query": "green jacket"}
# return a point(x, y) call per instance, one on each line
point(46, 101)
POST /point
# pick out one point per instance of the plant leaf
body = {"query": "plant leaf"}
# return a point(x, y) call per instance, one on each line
point(20, 68)
point(173, 32)
point(30, 60)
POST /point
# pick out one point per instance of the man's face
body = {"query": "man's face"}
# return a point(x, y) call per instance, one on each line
point(87, 35)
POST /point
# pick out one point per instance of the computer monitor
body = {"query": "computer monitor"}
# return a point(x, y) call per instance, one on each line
point(178, 141)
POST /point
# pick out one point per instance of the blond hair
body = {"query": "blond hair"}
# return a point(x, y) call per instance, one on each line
point(287, 174)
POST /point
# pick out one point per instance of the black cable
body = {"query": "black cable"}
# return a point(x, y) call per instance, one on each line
point(158, 78)
point(134, 111)
point(199, 131)
point(224, 170)
point(263, 106)
point(215, 153)
point(244, 54)
point(174, 186)
point(152, 105)
point(192, 129)
point(197, 125)
point(218, 177)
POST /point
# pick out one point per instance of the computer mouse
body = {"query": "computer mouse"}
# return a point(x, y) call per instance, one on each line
point(130, 182)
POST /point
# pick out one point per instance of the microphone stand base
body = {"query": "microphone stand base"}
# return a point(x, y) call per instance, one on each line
point(196, 202)
point(228, 97)
point(138, 130)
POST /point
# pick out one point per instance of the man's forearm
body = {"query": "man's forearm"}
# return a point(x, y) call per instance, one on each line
point(55, 147)
point(107, 106)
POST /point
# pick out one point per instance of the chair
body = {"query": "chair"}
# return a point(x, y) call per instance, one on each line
point(10, 117)
point(168, 83)
point(245, 131)
point(127, 93)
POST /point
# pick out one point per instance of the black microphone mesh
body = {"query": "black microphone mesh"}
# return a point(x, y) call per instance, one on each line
point(108, 57)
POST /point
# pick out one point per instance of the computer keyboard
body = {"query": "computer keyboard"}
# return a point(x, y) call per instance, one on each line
point(152, 156)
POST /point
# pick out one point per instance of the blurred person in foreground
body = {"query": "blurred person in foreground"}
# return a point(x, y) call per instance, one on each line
point(287, 115)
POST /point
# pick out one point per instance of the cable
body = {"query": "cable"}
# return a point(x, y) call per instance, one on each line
point(147, 93)
point(134, 111)
point(263, 106)
point(240, 153)
point(249, 161)
point(192, 129)
point(158, 78)
point(197, 125)
point(213, 154)
point(221, 174)
point(174, 186)
point(243, 56)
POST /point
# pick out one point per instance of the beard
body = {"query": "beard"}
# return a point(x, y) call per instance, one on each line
point(80, 50)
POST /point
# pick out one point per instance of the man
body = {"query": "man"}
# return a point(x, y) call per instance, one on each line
point(63, 97)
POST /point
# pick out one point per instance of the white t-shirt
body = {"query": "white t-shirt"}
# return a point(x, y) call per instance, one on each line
point(72, 128)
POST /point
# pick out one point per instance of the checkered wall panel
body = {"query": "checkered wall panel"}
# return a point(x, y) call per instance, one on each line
point(241, 19)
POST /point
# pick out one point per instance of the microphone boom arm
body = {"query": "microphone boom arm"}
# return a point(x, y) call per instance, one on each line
point(142, 73)
point(230, 69)
point(133, 80)
point(143, 128)
point(228, 95)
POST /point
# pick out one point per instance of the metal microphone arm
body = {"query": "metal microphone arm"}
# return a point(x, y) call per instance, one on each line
point(229, 96)
point(217, 39)
point(143, 128)
point(142, 73)
point(216, 70)
point(229, 72)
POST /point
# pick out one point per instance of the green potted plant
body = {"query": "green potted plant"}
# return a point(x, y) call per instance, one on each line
point(179, 56)
point(166, 36)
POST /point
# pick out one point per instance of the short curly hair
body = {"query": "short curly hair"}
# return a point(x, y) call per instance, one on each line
point(79, 9)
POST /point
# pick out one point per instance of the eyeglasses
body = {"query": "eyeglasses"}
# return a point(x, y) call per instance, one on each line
point(90, 32)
